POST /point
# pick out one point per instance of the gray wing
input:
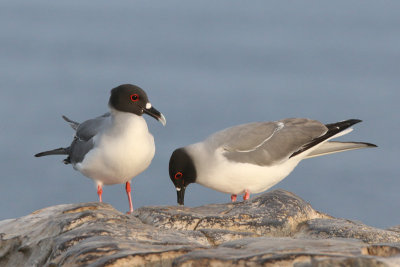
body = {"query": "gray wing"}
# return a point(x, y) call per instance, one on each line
point(74, 125)
point(83, 140)
point(266, 143)
point(87, 129)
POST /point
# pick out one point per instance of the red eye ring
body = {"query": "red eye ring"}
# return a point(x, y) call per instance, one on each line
point(135, 97)
point(178, 175)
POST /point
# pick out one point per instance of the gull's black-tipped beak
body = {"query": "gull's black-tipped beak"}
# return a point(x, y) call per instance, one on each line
point(181, 195)
point(149, 110)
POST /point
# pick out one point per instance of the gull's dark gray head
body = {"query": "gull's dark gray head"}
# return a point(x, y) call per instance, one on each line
point(182, 172)
point(133, 99)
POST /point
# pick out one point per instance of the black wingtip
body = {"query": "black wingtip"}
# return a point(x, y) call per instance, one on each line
point(336, 127)
point(333, 129)
point(353, 121)
point(345, 123)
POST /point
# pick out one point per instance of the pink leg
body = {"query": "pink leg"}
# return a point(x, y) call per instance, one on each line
point(233, 198)
point(99, 192)
point(246, 195)
point(128, 192)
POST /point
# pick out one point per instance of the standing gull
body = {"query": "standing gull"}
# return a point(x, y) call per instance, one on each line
point(114, 147)
point(251, 158)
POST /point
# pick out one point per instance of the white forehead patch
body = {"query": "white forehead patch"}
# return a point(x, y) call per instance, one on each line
point(178, 189)
point(148, 106)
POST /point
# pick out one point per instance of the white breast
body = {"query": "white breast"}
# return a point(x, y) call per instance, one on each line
point(121, 151)
point(218, 173)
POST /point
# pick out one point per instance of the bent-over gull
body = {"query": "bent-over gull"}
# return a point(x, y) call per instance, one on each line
point(251, 158)
point(114, 147)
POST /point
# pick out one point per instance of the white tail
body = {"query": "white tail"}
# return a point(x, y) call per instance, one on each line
point(331, 147)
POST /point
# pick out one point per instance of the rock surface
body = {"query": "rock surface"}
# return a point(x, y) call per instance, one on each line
point(274, 229)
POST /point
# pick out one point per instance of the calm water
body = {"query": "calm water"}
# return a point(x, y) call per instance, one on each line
point(206, 65)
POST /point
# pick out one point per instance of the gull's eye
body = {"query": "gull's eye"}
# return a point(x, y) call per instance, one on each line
point(178, 175)
point(134, 97)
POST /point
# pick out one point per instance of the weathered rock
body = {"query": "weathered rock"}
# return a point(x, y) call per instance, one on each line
point(277, 213)
point(275, 228)
point(394, 228)
point(289, 252)
point(341, 228)
point(81, 234)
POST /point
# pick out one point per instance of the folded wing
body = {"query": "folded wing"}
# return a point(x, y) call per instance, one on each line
point(267, 143)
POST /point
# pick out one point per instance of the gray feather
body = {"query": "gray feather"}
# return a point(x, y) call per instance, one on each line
point(83, 141)
point(90, 128)
point(78, 150)
point(74, 125)
point(57, 151)
point(265, 143)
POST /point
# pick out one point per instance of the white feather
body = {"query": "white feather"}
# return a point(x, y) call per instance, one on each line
point(121, 151)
